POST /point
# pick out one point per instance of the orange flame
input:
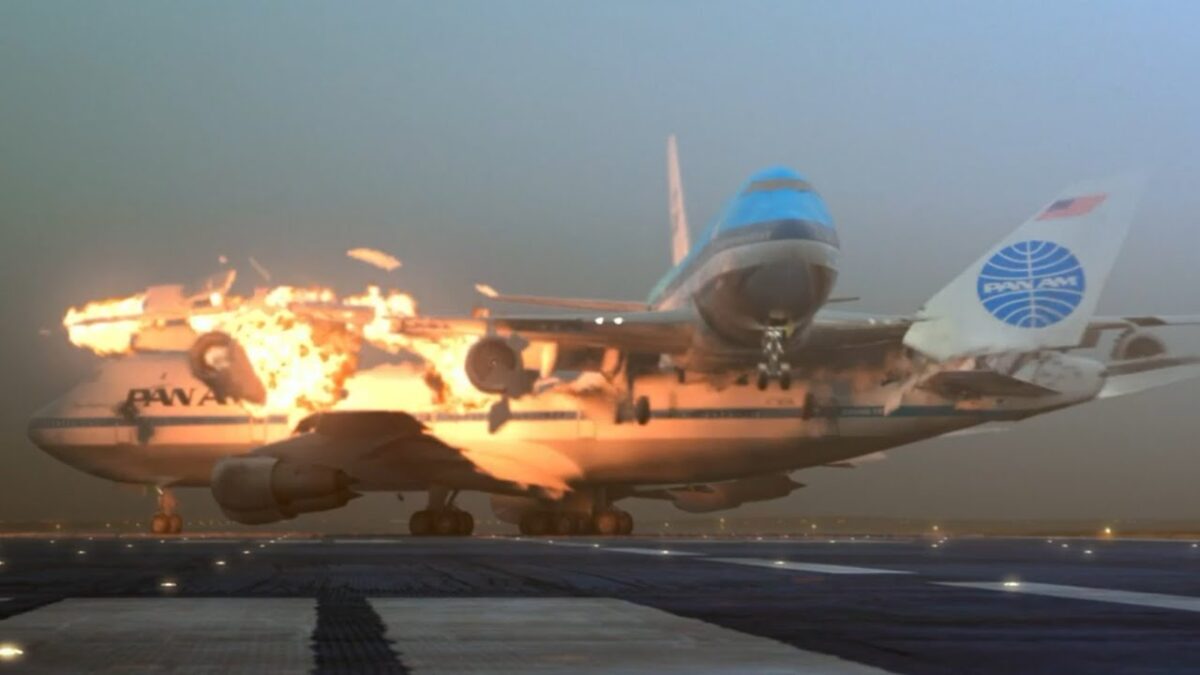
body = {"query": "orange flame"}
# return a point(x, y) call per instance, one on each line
point(106, 327)
point(303, 343)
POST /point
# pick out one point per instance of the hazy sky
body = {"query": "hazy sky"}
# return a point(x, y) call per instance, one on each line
point(521, 143)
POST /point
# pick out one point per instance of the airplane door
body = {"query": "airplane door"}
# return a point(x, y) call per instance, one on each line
point(125, 432)
point(260, 430)
point(586, 426)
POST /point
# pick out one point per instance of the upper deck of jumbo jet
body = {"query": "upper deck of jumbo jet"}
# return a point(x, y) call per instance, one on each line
point(776, 203)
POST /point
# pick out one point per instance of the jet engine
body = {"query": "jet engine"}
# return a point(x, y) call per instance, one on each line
point(254, 490)
point(1137, 345)
point(216, 359)
point(731, 494)
point(495, 365)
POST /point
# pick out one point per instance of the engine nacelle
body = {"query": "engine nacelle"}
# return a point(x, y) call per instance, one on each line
point(1137, 345)
point(494, 365)
point(255, 490)
point(731, 494)
point(217, 360)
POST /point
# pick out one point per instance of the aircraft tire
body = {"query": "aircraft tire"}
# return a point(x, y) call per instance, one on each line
point(626, 519)
point(606, 523)
point(564, 524)
point(445, 522)
point(535, 523)
point(420, 524)
point(175, 523)
point(466, 524)
point(785, 380)
point(763, 380)
point(641, 410)
point(583, 524)
point(160, 524)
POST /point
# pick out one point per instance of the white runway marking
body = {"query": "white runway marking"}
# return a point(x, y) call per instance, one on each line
point(1158, 600)
point(579, 635)
point(663, 552)
point(127, 635)
point(805, 567)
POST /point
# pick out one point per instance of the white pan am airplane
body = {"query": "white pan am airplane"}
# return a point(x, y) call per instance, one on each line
point(732, 375)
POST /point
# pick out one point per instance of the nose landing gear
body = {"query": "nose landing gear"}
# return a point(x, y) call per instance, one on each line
point(166, 520)
point(773, 367)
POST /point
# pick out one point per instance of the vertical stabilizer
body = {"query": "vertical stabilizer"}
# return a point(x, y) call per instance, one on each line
point(680, 240)
point(1038, 287)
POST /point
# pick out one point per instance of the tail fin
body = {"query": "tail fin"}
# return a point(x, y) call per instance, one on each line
point(1039, 286)
point(680, 240)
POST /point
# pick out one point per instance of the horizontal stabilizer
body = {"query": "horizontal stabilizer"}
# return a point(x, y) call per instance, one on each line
point(958, 383)
point(988, 428)
point(1145, 321)
point(588, 304)
point(1131, 377)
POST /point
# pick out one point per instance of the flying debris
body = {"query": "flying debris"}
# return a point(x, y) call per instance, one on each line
point(262, 271)
point(283, 350)
point(376, 258)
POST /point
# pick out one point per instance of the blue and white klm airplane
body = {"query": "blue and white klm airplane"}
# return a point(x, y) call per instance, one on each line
point(685, 409)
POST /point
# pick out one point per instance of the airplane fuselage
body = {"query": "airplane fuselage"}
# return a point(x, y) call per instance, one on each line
point(769, 260)
point(699, 432)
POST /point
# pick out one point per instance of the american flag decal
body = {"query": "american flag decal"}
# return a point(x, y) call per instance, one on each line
point(1070, 208)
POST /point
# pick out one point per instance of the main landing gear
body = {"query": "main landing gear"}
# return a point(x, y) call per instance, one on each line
point(607, 522)
point(166, 520)
point(441, 518)
point(447, 522)
point(773, 366)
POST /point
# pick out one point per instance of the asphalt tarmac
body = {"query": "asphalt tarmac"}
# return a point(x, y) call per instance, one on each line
point(583, 605)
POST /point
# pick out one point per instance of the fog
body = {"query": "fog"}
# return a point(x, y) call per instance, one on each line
point(521, 144)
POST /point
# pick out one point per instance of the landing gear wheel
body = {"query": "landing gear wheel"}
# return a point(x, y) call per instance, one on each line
point(535, 523)
point(445, 522)
point(160, 524)
point(641, 410)
point(174, 523)
point(763, 380)
point(583, 524)
point(606, 523)
point(466, 524)
point(420, 524)
point(626, 520)
point(564, 524)
point(785, 380)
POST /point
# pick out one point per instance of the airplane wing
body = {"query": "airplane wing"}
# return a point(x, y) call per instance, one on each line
point(673, 332)
point(836, 329)
point(371, 446)
point(1143, 321)
point(660, 332)
point(840, 330)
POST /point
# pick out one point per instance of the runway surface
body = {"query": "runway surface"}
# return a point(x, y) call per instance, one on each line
point(400, 605)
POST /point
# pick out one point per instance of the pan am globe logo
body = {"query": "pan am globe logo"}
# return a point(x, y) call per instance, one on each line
point(1031, 284)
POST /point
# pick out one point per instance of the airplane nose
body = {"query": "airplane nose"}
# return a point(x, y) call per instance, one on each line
point(42, 424)
point(782, 293)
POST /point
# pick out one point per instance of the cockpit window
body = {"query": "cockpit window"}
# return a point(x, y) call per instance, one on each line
point(779, 184)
